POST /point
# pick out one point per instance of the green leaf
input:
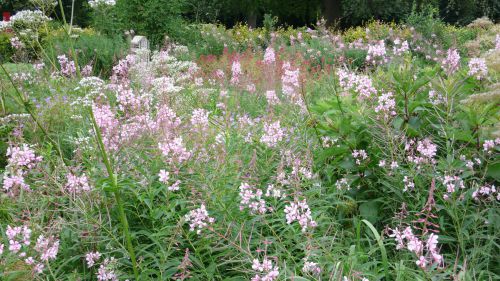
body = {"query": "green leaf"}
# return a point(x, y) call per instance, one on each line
point(370, 211)
point(381, 246)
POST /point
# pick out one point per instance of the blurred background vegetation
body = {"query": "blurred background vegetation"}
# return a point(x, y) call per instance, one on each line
point(157, 17)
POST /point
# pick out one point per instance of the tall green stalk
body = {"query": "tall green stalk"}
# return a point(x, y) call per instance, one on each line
point(117, 192)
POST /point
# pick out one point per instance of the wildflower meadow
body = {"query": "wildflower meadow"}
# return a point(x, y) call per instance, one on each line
point(268, 153)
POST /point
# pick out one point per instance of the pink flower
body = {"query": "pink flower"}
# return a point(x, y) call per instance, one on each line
point(251, 198)
point(272, 98)
point(106, 272)
point(273, 134)
point(199, 119)
point(376, 53)
point(92, 258)
point(198, 219)
point(16, 43)
point(77, 184)
point(109, 126)
point(266, 271)
point(175, 151)
point(269, 56)
point(452, 62)
point(47, 248)
point(291, 85)
point(427, 148)
point(68, 67)
point(22, 157)
point(478, 68)
point(164, 176)
point(311, 267)
point(299, 211)
point(421, 262)
point(236, 72)
point(386, 105)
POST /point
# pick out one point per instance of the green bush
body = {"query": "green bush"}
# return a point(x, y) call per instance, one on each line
point(99, 50)
point(6, 50)
point(155, 19)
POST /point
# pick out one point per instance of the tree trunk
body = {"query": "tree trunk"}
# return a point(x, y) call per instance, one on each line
point(332, 11)
point(252, 19)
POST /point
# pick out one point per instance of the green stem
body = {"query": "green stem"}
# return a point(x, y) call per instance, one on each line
point(62, 12)
point(114, 184)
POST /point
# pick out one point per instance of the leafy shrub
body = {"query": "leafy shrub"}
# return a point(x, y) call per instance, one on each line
point(6, 49)
point(101, 51)
point(154, 19)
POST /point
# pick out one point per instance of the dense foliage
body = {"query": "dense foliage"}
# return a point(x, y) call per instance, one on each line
point(143, 16)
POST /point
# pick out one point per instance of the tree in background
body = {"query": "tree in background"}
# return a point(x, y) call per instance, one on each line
point(153, 18)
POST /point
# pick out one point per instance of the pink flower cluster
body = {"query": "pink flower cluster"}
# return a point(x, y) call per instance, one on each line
point(452, 183)
point(478, 68)
point(251, 198)
point(386, 105)
point(174, 151)
point(166, 121)
point(106, 270)
point(198, 219)
point(452, 62)
point(436, 98)
point(165, 177)
point(269, 55)
point(272, 98)
point(236, 72)
point(486, 193)
point(77, 184)
point(122, 68)
point(489, 145)
point(377, 53)
point(109, 126)
point(290, 84)
point(18, 236)
point(359, 155)
point(92, 258)
point(21, 160)
point(68, 67)
point(299, 211)
point(266, 271)
point(199, 119)
point(311, 268)
point(45, 249)
point(409, 184)
point(400, 47)
point(427, 252)
point(273, 134)
point(342, 184)
point(360, 84)
point(425, 151)
point(16, 43)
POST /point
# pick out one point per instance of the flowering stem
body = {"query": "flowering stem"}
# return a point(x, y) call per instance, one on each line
point(116, 190)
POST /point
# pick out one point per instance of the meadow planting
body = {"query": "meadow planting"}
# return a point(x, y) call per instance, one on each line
point(252, 154)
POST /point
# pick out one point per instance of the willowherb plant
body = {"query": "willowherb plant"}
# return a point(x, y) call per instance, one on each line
point(21, 160)
point(452, 61)
point(198, 219)
point(478, 68)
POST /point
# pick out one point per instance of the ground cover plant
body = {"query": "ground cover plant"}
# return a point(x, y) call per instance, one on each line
point(280, 154)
